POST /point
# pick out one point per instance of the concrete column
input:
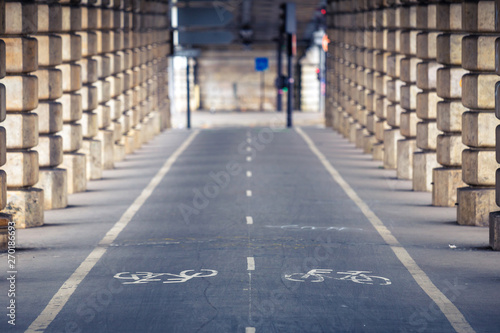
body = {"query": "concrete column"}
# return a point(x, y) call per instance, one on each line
point(425, 159)
point(24, 201)
point(476, 201)
point(4, 218)
point(394, 109)
point(408, 74)
point(92, 115)
point(447, 178)
point(73, 98)
point(53, 180)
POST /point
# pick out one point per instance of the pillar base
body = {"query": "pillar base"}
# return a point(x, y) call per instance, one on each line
point(353, 128)
point(423, 164)
point(93, 150)
point(26, 206)
point(446, 181)
point(391, 138)
point(129, 142)
point(107, 153)
point(360, 137)
point(76, 165)
point(406, 148)
point(475, 205)
point(138, 137)
point(369, 141)
point(54, 183)
point(4, 232)
point(119, 152)
point(495, 231)
point(378, 151)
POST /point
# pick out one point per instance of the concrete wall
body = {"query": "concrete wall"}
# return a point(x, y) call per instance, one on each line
point(228, 81)
point(82, 84)
point(413, 84)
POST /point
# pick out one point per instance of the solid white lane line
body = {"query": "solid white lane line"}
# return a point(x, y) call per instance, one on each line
point(454, 316)
point(249, 193)
point(250, 330)
point(68, 288)
point(249, 220)
point(249, 159)
point(249, 174)
point(250, 263)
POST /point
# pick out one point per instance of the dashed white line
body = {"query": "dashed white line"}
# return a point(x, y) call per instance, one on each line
point(249, 193)
point(249, 159)
point(249, 140)
point(250, 330)
point(249, 220)
point(452, 313)
point(249, 149)
point(249, 174)
point(250, 263)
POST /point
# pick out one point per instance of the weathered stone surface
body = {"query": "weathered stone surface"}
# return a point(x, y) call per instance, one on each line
point(22, 94)
point(50, 83)
point(449, 150)
point(71, 106)
point(72, 78)
point(475, 205)
point(23, 130)
point(427, 75)
point(409, 96)
point(408, 69)
point(54, 183)
point(76, 166)
point(394, 114)
point(106, 137)
point(449, 116)
point(20, 18)
point(427, 133)
point(391, 137)
point(408, 124)
point(89, 124)
point(22, 168)
point(427, 105)
point(478, 53)
point(93, 150)
point(88, 70)
point(406, 149)
point(49, 50)
point(446, 181)
point(449, 82)
point(423, 164)
point(479, 167)
point(72, 137)
point(479, 91)
point(478, 16)
point(49, 18)
point(449, 49)
point(3, 189)
point(71, 47)
point(21, 54)
point(478, 129)
point(26, 207)
point(50, 150)
point(89, 97)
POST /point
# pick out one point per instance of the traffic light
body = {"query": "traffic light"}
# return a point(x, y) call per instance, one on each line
point(318, 73)
point(288, 21)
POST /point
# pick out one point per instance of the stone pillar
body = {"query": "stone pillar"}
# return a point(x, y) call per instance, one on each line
point(92, 116)
point(394, 109)
point(408, 67)
point(425, 159)
point(53, 180)
point(24, 201)
point(476, 201)
point(4, 218)
point(447, 178)
point(73, 160)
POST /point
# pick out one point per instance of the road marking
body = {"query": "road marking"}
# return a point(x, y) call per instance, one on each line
point(250, 330)
point(249, 220)
point(249, 149)
point(69, 286)
point(249, 159)
point(249, 193)
point(249, 174)
point(146, 277)
point(250, 264)
point(454, 316)
point(249, 140)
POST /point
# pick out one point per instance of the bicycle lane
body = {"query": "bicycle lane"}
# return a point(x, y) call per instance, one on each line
point(303, 220)
point(165, 236)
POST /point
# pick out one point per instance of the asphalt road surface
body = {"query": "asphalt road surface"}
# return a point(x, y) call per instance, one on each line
point(252, 230)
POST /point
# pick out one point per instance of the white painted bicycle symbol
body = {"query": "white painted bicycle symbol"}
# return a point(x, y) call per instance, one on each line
point(146, 277)
point(319, 275)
